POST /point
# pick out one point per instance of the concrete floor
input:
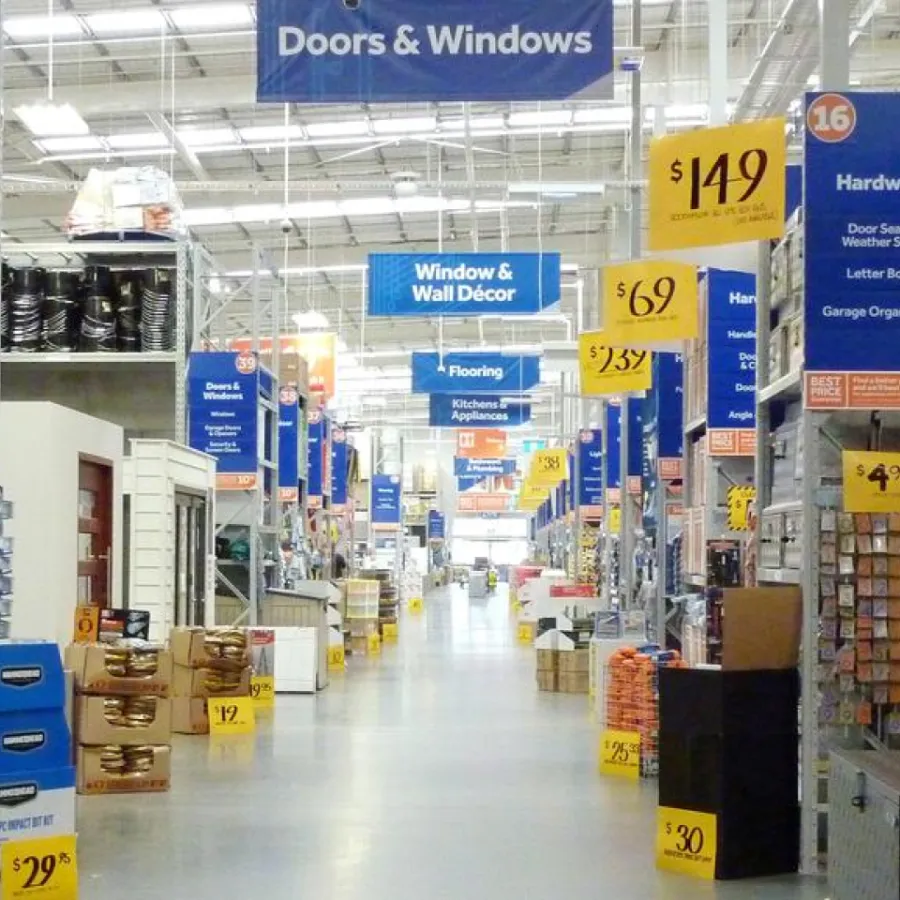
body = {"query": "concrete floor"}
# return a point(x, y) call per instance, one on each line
point(437, 772)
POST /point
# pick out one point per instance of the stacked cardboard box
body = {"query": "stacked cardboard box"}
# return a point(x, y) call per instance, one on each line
point(123, 716)
point(574, 671)
point(548, 670)
point(211, 662)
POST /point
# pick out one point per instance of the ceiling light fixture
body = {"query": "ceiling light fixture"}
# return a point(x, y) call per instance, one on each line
point(47, 119)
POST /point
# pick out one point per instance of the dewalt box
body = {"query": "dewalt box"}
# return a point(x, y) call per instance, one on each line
point(31, 676)
point(37, 804)
point(34, 739)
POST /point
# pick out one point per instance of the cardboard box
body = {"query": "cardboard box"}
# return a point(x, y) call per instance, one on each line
point(92, 726)
point(94, 779)
point(547, 681)
point(34, 739)
point(574, 682)
point(189, 682)
point(188, 646)
point(37, 804)
point(761, 628)
point(31, 676)
point(547, 660)
point(575, 661)
point(88, 663)
point(189, 715)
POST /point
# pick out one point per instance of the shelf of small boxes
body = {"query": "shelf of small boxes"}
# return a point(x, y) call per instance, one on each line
point(363, 613)
point(590, 543)
point(786, 288)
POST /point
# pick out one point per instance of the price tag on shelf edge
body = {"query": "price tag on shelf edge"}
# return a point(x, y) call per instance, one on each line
point(620, 753)
point(718, 185)
point(739, 498)
point(609, 371)
point(231, 715)
point(686, 842)
point(652, 304)
point(41, 867)
point(871, 481)
point(262, 690)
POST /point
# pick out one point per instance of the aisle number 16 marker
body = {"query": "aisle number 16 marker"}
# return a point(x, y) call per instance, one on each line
point(607, 371)
point(831, 118)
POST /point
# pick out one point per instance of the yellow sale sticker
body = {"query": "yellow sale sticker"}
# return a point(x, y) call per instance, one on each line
point(686, 842)
point(231, 715)
point(871, 481)
point(390, 631)
point(415, 604)
point(262, 690)
point(607, 371)
point(41, 867)
point(620, 753)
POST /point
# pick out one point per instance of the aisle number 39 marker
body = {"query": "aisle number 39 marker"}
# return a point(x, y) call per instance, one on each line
point(831, 118)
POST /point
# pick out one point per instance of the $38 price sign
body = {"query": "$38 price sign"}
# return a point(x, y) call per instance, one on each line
point(686, 842)
point(620, 753)
point(549, 467)
point(43, 867)
point(871, 481)
point(718, 185)
point(608, 371)
point(231, 715)
point(650, 304)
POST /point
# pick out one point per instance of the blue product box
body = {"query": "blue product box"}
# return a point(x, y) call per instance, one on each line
point(31, 676)
point(34, 739)
point(37, 804)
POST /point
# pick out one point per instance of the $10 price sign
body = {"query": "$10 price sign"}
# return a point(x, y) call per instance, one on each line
point(871, 481)
point(43, 867)
point(686, 842)
point(718, 186)
point(231, 715)
point(651, 304)
point(620, 753)
point(607, 371)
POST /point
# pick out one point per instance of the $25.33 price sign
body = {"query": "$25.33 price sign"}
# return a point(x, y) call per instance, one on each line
point(607, 370)
point(231, 715)
point(686, 842)
point(871, 481)
point(651, 304)
point(620, 753)
point(718, 185)
point(42, 867)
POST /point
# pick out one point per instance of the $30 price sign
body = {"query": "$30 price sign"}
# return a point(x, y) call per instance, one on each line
point(650, 304)
point(686, 842)
point(231, 715)
point(43, 867)
point(607, 370)
point(718, 185)
point(620, 753)
point(871, 481)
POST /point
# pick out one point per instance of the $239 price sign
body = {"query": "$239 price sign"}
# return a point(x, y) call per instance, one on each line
point(43, 867)
point(871, 481)
point(607, 370)
point(718, 185)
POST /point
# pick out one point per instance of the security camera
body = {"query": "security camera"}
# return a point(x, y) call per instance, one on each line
point(286, 226)
point(352, 4)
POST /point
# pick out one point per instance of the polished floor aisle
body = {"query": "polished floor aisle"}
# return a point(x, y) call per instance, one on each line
point(436, 772)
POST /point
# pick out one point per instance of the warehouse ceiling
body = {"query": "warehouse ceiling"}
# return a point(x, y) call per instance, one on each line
point(172, 84)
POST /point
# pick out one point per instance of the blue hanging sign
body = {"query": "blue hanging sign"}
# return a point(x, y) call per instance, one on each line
point(484, 468)
point(223, 415)
point(463, 284)
point(663, 418)
point(340, 459)
point(467, 482)
point(385, 505)
point(475, 411)
point(474, 373)
point(614, 449)
point(401, 51)
point(288, 445)
point(437, 525)
point(590, 474)
point(315, 478)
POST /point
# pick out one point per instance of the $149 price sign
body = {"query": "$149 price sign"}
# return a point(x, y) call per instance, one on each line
point(620, 753)
point(718, 185)
point(686, 842)
point(871, 481)
point(607, 370)
point(42, 867)
point(650, 304)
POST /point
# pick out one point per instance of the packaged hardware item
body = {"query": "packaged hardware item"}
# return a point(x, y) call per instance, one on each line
point(31, 676)
point(189, 682)
point(34, 739)
point(126, 720)
point(116, 769)
point(213, 648)
point(127, 667)
point(37, 803)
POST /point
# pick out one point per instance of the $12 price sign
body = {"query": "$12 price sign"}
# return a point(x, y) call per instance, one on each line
point(686, 842)
point(650, 304)
point(620, 753)
point(607, 371)
point(43, 867)
point(718, 185)
point(871, 481)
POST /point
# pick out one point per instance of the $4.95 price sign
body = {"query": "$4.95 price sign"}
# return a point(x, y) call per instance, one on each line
point(718, 186)
point(607, 371)
point(686, 842)
point(871, 481)
point(620, 753)
point(231, 715)
point(549, 467)
point(43, 867)
point(650, 304)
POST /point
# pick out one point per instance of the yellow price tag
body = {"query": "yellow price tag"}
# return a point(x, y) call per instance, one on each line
point(517, 606)
point(549, 467)
point(87, 624)
point(415, 605)
point(686, 842)
point(336, 656)
point(718, 185)
point(615, 519)
point(606, 370)
point(650, 304)
point(871, 481)
point(390, 631)
point(41, 867)
point(620, 753)
point(374, 644)
point(231, 715)
point(525, 633)
point(739, 499)
point(262, 690)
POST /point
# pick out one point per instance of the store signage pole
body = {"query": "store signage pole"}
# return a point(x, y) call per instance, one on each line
point(604, 483)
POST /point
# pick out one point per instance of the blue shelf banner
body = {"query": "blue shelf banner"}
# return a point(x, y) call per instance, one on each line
point(288, 444)
point(590, 461)
point(614, 446)
point(340, 460)
point(223, 415)
point(852, 255)
point(385, 505)
point(463, 284)
point(484, 468)
point(315, 478)
point(402, 51)
point(475, 411)
point(467, 482)
point(437, 525)
point(474, 373)
point(668, 391)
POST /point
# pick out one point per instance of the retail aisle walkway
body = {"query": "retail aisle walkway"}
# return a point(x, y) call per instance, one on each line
point(435, 773)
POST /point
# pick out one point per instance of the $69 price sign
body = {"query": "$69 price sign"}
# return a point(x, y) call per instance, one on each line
point(43, 867)
point(871, 481)
point(607, 370)
point(718, 185)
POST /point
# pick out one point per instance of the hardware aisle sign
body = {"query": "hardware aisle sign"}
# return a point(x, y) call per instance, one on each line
point(340, 458)
point(718, 186)
point(613, 424)
point(390, 51)
point(463, 284)
point(316, 446)
point(385, 505)
point(852, 256)
point(473, 373)
point(475, 411)
point(590, 471)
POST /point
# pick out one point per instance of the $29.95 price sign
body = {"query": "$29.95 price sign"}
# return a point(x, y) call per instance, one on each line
point(43, 867)
point(718, 185)
point(231, 715)
point(871, 481)
point(650, 304)
point(686, 842)
point(262, 690)
point(620, 753)
point(607, 371)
